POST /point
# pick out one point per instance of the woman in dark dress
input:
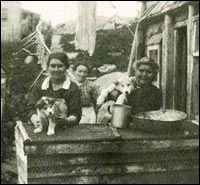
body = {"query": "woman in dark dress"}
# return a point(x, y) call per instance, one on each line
point(57, 85)
point(145, 96)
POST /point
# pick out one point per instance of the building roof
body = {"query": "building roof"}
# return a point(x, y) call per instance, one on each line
point(30, 12)
point(161, 7)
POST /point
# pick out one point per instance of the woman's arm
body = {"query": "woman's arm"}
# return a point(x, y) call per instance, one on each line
point(104, 94)
point(74, 104)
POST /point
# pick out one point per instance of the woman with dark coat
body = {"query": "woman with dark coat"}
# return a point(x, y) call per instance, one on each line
point(145, 96)
point(57, 85)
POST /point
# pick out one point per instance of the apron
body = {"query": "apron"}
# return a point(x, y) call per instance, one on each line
point(88, 115)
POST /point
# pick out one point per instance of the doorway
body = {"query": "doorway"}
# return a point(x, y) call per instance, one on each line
point(181, 69)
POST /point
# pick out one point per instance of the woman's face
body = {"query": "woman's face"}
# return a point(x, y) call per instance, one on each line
point(57, 69)
point(145, 74)
point(81, 73)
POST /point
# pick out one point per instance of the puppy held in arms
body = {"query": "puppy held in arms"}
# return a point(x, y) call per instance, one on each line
point(124, 86)
point(47, 110)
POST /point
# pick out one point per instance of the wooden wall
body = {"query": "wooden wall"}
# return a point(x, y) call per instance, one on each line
point(11, 33)
point(10, 28)
point(168, 25)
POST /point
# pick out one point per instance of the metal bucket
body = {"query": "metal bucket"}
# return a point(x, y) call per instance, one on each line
point(121, 116)
point(147, 121)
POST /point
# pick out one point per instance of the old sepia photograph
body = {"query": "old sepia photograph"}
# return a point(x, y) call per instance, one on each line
point(99, 92)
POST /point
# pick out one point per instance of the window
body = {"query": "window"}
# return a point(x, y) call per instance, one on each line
point(154, 53)
point(4, 14)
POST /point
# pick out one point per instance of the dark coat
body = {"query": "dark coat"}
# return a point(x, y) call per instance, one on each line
point(147, 98)
point(72, 97)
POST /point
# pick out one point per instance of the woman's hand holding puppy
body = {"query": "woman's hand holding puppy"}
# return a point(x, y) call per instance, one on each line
point(35, 120)
point(65, 119)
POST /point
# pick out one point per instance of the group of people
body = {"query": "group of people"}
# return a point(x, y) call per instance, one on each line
point(81, 95)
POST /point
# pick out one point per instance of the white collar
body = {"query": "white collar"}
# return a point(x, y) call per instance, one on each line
point(46, 82)
point(80, 84)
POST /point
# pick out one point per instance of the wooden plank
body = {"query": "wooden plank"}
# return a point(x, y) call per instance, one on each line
point(179, 134)
point(190, 59)
point(168, 56)
point(20, 180)
point(21, 163)
point(175, 177)
point(104, 133)
point(91, 159)
point(23, 132)
point(133, 53)
point(180, 15)
point(22, 174)
point(179, 177)
point(88, 133)
point(112, 147)
point(60, 171)
point(21, 158)
point(66, 180)
point(181, 24)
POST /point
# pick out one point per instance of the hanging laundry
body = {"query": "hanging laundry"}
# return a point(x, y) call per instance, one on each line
point(85, 38)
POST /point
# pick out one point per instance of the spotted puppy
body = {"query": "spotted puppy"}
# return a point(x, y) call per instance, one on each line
point(124, 86)
point(47, 109)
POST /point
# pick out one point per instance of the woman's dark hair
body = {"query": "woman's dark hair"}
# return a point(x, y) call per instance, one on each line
point(147, 61)
point(81, 64)
point(59, 56)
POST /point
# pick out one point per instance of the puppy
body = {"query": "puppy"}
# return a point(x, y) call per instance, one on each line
point(104, 115)
point(47, 109)
point(124, 86)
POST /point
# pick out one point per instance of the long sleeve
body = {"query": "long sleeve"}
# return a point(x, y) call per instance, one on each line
point(145, 99)
point(71, 95)
point(75, 102)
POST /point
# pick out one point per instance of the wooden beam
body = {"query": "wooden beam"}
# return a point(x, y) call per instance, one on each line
point(143, 8)
point(181, 24)
point(168, 62)
point(190, 59)
point(133, 51)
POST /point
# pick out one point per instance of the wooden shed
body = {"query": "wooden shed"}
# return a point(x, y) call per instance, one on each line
point(16, 22)
point(169, 34)
point(91, 154)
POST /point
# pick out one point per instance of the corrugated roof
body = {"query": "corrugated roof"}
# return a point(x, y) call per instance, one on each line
point(30, 12)
point(162, 7)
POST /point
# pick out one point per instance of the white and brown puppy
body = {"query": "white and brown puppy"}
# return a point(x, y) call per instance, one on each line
point(47, 109)
point(124, 85)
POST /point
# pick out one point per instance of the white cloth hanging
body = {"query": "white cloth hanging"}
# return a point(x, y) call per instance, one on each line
point(85, 38)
